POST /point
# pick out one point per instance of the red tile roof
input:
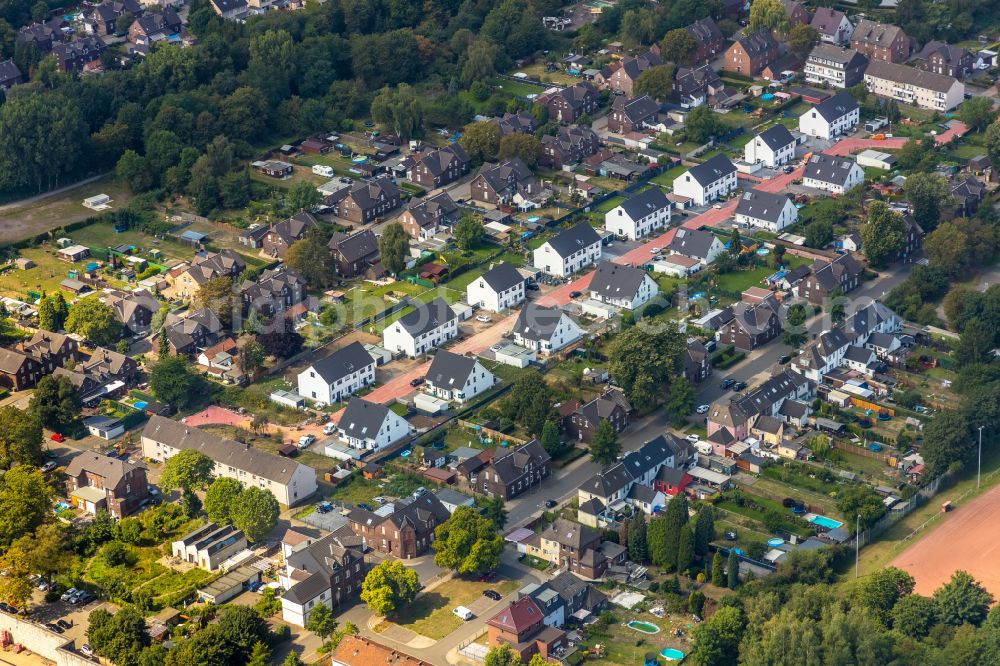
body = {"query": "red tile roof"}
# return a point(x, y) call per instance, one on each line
point(518, 616)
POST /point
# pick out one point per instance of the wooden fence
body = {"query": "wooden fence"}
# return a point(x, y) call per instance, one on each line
point(492, 434)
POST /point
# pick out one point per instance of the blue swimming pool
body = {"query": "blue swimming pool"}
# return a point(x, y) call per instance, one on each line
point(142, 404)
point(671, 654)
point(823, 521)
point(697, 296)
point(767, 97)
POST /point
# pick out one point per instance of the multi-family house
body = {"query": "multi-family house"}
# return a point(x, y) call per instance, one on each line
point(796, 12)
point(639, 214)
point(622, 286)
point(832, 117)
point(499, 184)
point(358, 651)
point(623, 78)
point(457, 378)
point(708, 40)
point(753, 325)
point(51, 350)
point(751, 53)
point(102, 19)
point(134, 309)
point(581, 420)
point(95, 481)
point(371, 426)
point(835, 66)
point(833, 174)
point(184, 281)
point(498, 289)
point(356, 254)
point(569, 146)
point(327, 571)
point(868, 318)
point(843, 273)
point(290, 482)
point(943, 58)
point(19, 371)
point(632, 114)
point(367, 201)
point(439, 167)
point(521, 122)
point(185, 335)
point(342, 373)
point(281, 235)
point(568, 251)
point(75, 55)
point(924, 88)
point(405, 530)
point(567, 104)
point(427, 327)
point(766, 210)
point(155, 26)
point(738, 414)
point(42, 35)
point(698, 244)
point(576, 548)
point(712, 179)
point(821, 355)
point(275, 291)
point(967, 194)
point(508, 475)
point(773, 147)
point(427, 217)
point(232, 10)
point(209, 546)
point(697, 361)
point(833, 26)
point(10, 74)
point(694, 86)
point(881, 41)
point(544, 329)
point(106, 374)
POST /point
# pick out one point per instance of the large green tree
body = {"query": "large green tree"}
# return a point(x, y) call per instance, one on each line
point(187, 470)
point(657, 82)
point(218, 296)
point(643, 358)
point(677, 46)
point(399, 109)
point(529, 402)
point(174, 382)
point(221, 499)
point(716, 641)
point(95, 321)
point(883, 235)
point(481, 140)
point(393, 246)
point(467, 543)
point(256, 513)
point(947, 441)
point(977, 112)
point(20, 438)
point(881, 590)
point(605, 447)
point(521, 145)
point(929, 194)
point(914, 615)
point(55, 403)
point(469, 232)
point(767, 15)
point(389, 585)
point(312, 259)
point(704, 530)
point(962, 600)
point(42, 138)
point(702, 124)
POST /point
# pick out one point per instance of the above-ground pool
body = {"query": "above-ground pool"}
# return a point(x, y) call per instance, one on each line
point(644, 627)
point(406, 454)
point(360, 160)
point(697, 296)
point(774, 543)
point(767, 97)
point(671, 654)
point(823, 521)
point(763, 251)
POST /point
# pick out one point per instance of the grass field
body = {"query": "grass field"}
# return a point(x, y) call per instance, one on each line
point(358, 489)
point(738, 281)
point(666, 179)
point(624, 645)
point(431, 614)
point(104, 235)
point(46, 275)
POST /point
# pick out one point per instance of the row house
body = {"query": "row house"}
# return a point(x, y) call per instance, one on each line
point(568, 104)
point(367, 201)
point(739, 413)
point(134, 309)
point(521, 626)
point(943, 58)
point(499, 184)
point(356, 254)
point(796, 12)
point(822, 355)
point(405, 531)
point(708, 40)
point(521, 122)
point(576, 548)
point(694, 86)
point(155, 26)
point(327, 571)
point(281, 235)
point(632, 114)
point(184, 281)
point(923, 88)
point(102, 19)
point(569, 146)
point(753, 325)
point(516, 472)
point(697, 362)
point(826, 277)
point(74, 56)
point(275, 291)
point(425, 218)
point(623, 78)
point(185, 335)
point(835, 66)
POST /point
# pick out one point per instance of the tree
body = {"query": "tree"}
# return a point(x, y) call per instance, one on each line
point(20, 438)
point(732, 570)
point(735, 243)
point(702, 123)
point(187, 470)
point(928, 194)
point(716, 640)
point(977, 112)
point(55, 403)
point(677, 46)
point(523, 146)
point(393, 245)
point(948, 247)
point(529, 402)
point(947, 441)
point(502, 655)
point(240, 628)
point(493, 508)
point(15, 585)
point(801, 39)
point(48, 552)
point(47, 315)
point(767, 15)
point(914, 615)
point(134, 172)
point(881, 590)
point(883, 235)
point(303, 196)
point(255, 512)
point(468, 232)
point(550, 438)
point(976, 343)
point(795, 330)
point(993, 142)
point(704, 530)
point(281, 340)
point(467, 543)
point(657, 82)
point(95, 321)
point(685, 549)
point(638, 550)
point(261, 654)
point(311, 257)
point(321, 622)
point(173, 381)
point(861, 500)
point(605, 447)
point(818, 234)
point(480, 61)
point(400, 109)
point(119, 637)
point(292, 659)
point(388, 586)
point(218, 296)
point(656, 541)
point(221, 499)
point(643, 359)
point(481, 140)
point(251, 357)
point(42, 137)
point(718, 570)
point(680, 401)
point(676, 519)
point(962, 600)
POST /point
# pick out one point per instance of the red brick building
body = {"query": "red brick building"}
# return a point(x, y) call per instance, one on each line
point(750, 54)
point(522, 626)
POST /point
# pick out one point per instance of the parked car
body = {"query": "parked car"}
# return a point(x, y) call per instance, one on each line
point(788, 168)
point(550, 503)
point(256, 585)
point(726, 383)
point(416, 381)
point(463, 613)
point(739, 386)
point(56, 437)
point(365, 506)
point(419, 491)
point(702, 409)
point(64, 623)
point(575, 294)
point(324, 507)
point(692, 438)
point(492, 594)
point(329, 428)
point(532, 286)
point(49, 466)
point(54, 627)
point(69, 594)
point(485, 319)
point(85, 649)
point(306, 440)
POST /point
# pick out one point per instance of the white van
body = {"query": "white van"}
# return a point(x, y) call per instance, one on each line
point(463, 612)
point(323, 170)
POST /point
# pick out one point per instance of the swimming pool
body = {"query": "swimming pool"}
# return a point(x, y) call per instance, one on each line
point(671, 654)
point(142, 404)
point(767, 97)
point(644, 627)
point(763, 251)
point(774, 543)
point(823, 521)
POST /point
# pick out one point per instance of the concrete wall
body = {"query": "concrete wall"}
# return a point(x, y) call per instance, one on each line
point(42, 642)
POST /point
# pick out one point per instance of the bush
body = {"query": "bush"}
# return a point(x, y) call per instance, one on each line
point(654, 586)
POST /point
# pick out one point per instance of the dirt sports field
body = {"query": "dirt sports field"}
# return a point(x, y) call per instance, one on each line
point(966, 540)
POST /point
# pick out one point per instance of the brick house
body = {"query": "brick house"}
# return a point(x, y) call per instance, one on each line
point(880, 41)
point(697, 362)
point(155, 26)
point(580, 421)
point(708, 37)
point(327, 571)
point(825, 277)
point(74, 56)
point(568, 104)
point(281, 235)
point(753, 325)
point(427, 217)
point(355, 254)
point(18, 371)
point(405, 533)
point(942, 58)
point(631, 114)
point(102, 19)
point(576, 548)
point(522, 626)
point(51, 350)
point(797, 13)
point(509, 475)
point(624, 77)
point(569, 146)
point(364, 202)
point(440, 167)
point(498, 184)
point(750, 54)
point(95, 481)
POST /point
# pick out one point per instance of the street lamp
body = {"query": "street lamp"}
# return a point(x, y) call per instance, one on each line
point(857, 543)
point(979, 467)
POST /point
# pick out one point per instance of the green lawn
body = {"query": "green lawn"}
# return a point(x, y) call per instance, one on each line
point(605, 206)
point(666, 179)
point(738, 281)
point(431, 613)
point(517, 88)
point(357, 489)
point(966, 151)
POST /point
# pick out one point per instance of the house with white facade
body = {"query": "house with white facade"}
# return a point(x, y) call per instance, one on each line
point(832, 26)
point(457, 378)
point(498, 289)
point(833, 174)
point(822, 355)
point(429, 326)
point(773, 147)
point(622, 286)
point(713, 179)
point(339, 375)
point(835, 66)
point(568, 251)
point(544, 329)
point(370, 426)
point(766, 210)
point(639, 215)
point(832, 117)
point(698, 244)
point(928, 90)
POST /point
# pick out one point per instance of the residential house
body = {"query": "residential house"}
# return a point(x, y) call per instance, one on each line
point(574, 597)
point(521, 122)
point(281, 235)
point(881, 41)
point(155, 26)
point(521, 626)
point(327, 571)
point(713, 179)
point(10, 74)
point(885, 345)
point(18, 371)
point(943, 58)
point(832, 117)
point(926, 89)
point(576, 548)
point(427, 217)
point(42, 35)
point(580, 421)
point(290, 482)
point(751, 53)
point(871, 317)
point(632, 114)
point(499, 184)
point(782, 68)
point(738, 413)
point(358, 651)
point(232, 10)
point(639, 214)
point(186, 335)
point(796, 12)
point(861, 360)
point(622, 286)
point(568, 146)
point(103, 427)
point(915, 235)
point(427, 327)
point(833, 26)
point(507, 476)
point(967, 194)
point(835, 66)
point(452, 499)
point(568, 251)
point(356, 254)
point(370, 426)
point(567, 104)
point(75, 55)
point(833, 174)
point(623, 78)
point(367, 201)
point(822, 355)
point(697, 361)
point(766, 210)
point(544, 329)
point(773, 147)
point(708, 39)
point(698, 244)
point(134, 309)
point(106, 374)
point(275, 291)
point(51, 350)
point(457, 378)
point(184, 281)
point(843, 273)
point(694, 86)
point(439, 167)
point(271, 168)
point(101, 19)
point(209, 546)
point(95, 481)
point(753, 325)
point(405, 530)
point(498, 289)
point(341, 374)
point(769, 430)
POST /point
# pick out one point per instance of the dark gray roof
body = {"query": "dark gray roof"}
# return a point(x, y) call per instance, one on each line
point(356, 246)
point(777, 137)
point(859, 354)
point(838, 55)
point(9, 71)
point(608, 482)
point(574, 239)
point(641, 493)
point(645, 203)
point(363, 419)
point(427, 317)
point(502, 277)
point(450, 370)
point(343, 362)
point(692, 242)
point(537, 322)
point(911, 76)
point(829, 169)
point(827, 21)
point(637, 109)
point(712, 170)
point(761, 205)
point(616, 281)
point(837, 106)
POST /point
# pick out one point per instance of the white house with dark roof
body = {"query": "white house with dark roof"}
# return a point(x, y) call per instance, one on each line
point(371, 426)
point(772, 147)
point(766, 210)
point(832, 117)
point(544, 329)
point(710, 180)
point(639, 215)
point(429, 326)
point(569, 251)
point(698, 244)
point(498, 289)
point(622, 286)
point(339, 375)
point(457, 378)
point(928, 90)
point(833, 174)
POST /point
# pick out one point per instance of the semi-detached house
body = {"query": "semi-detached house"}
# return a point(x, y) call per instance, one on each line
point(544, 329)
point(339, 375)
point(498, 289)
point(833, 26)
point(639, 214)
point(928, 90)
point(622, 286)
point(832, 117)
point(835, 66)
point(710, 180)
point(766, 210)
point(569, 251)
point(457, 378)
point(772, 147)
point(833, 174)
point(370, 426)
point(429, 326)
